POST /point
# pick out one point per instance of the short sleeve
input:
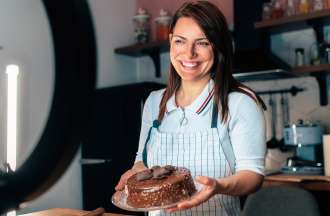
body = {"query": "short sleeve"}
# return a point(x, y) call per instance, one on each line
point(247, 133)
point(150, 113)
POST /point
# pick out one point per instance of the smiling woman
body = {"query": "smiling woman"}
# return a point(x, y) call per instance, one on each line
point(69, 91)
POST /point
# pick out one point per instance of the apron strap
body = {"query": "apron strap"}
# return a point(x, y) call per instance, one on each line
point(155, 124)
point(226, 146)
point(214, 121)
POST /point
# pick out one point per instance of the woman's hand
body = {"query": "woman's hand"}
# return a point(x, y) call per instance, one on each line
point(139, 166)
point(210, 187)
point(241, 183)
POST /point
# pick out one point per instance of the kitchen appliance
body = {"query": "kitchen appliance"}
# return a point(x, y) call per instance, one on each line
point(306, 140)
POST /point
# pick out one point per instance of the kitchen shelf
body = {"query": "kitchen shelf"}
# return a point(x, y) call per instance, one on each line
point(316, 20)
point(317, 15)
point(151, 49)
point(310, 69)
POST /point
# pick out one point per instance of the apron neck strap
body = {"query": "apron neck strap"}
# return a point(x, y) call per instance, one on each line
point(215, 111)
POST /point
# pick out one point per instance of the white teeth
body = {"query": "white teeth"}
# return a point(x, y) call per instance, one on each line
point(189, 64)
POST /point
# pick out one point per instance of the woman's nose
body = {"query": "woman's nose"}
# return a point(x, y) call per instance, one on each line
point(191, 51)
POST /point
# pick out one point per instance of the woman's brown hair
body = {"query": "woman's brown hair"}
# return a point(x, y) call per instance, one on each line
point(213, 24)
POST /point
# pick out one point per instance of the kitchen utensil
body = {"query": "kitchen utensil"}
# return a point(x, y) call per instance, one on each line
point(285, 118)
point(273, 142)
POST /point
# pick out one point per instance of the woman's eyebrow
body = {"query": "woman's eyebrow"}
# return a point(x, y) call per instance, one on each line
point(198, 39)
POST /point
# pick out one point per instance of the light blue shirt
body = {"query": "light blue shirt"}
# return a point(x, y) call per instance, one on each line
point(246, 125)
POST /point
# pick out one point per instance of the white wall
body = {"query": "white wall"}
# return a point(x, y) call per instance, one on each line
point(114, 28)
point(146, 69)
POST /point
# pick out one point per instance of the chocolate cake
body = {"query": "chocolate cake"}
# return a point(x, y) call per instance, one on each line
point(159, 186)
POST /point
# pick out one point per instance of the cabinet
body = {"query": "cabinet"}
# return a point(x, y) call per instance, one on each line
point(314, 19)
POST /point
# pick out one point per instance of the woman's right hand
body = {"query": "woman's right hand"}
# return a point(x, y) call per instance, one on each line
point(139, 166)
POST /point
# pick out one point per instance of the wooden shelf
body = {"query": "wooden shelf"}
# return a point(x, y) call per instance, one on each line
point(151, 49)
point(142, 49)
point(292, 19)
point(311, 69)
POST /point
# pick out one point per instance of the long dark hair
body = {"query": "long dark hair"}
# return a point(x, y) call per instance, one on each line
point(213, 24)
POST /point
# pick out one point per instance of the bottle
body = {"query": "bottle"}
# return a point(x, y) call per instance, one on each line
point(163, 25)
point(291, 8)
point(318, 5)
point(314, 54)
point(277, 11)
point(300, 57)
point(327, 54)
point(303, 6)
point(266, 10)
point(142, 27)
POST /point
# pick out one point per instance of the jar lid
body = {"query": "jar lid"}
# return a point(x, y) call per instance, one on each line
point(142, 15)
point(164, 17)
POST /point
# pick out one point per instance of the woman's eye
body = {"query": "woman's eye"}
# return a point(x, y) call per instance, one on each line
point(178, 42)
point(203, 43)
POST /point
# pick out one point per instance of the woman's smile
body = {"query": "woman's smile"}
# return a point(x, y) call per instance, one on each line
point(190, 65)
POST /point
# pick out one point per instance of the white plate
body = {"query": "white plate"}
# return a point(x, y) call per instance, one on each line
point(119, 199)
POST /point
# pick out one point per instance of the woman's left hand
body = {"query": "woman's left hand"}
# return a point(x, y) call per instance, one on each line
point(210, 187)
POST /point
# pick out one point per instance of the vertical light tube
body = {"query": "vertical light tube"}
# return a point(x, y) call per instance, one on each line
point(12, 74)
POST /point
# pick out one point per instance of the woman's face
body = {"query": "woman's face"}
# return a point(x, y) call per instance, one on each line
point(191, 53)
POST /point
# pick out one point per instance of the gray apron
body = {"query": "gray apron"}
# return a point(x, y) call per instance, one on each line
point(202, 152)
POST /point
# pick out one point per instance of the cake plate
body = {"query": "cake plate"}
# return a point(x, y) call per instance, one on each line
point(119, 199)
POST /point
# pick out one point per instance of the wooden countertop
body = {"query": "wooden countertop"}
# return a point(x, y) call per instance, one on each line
point(65, 212)
point(317, 183)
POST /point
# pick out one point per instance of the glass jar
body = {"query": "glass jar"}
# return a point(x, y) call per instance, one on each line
point(303, 6)
point(300, 57)
point(277, 10)
point(291, 8)
point(141, 26)
point(267, 10)
point(314, 53)
point(327, 54)
point(318, 5)
point(163, 25)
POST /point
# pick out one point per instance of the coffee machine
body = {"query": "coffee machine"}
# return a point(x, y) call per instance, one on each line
point(306, 141)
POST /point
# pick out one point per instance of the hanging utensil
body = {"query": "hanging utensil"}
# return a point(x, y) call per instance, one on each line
point(286, 109)
point(285, 118)
point(273, 142)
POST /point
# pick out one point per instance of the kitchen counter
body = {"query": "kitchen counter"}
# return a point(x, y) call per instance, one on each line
point(66, 212)
point(314, 183)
